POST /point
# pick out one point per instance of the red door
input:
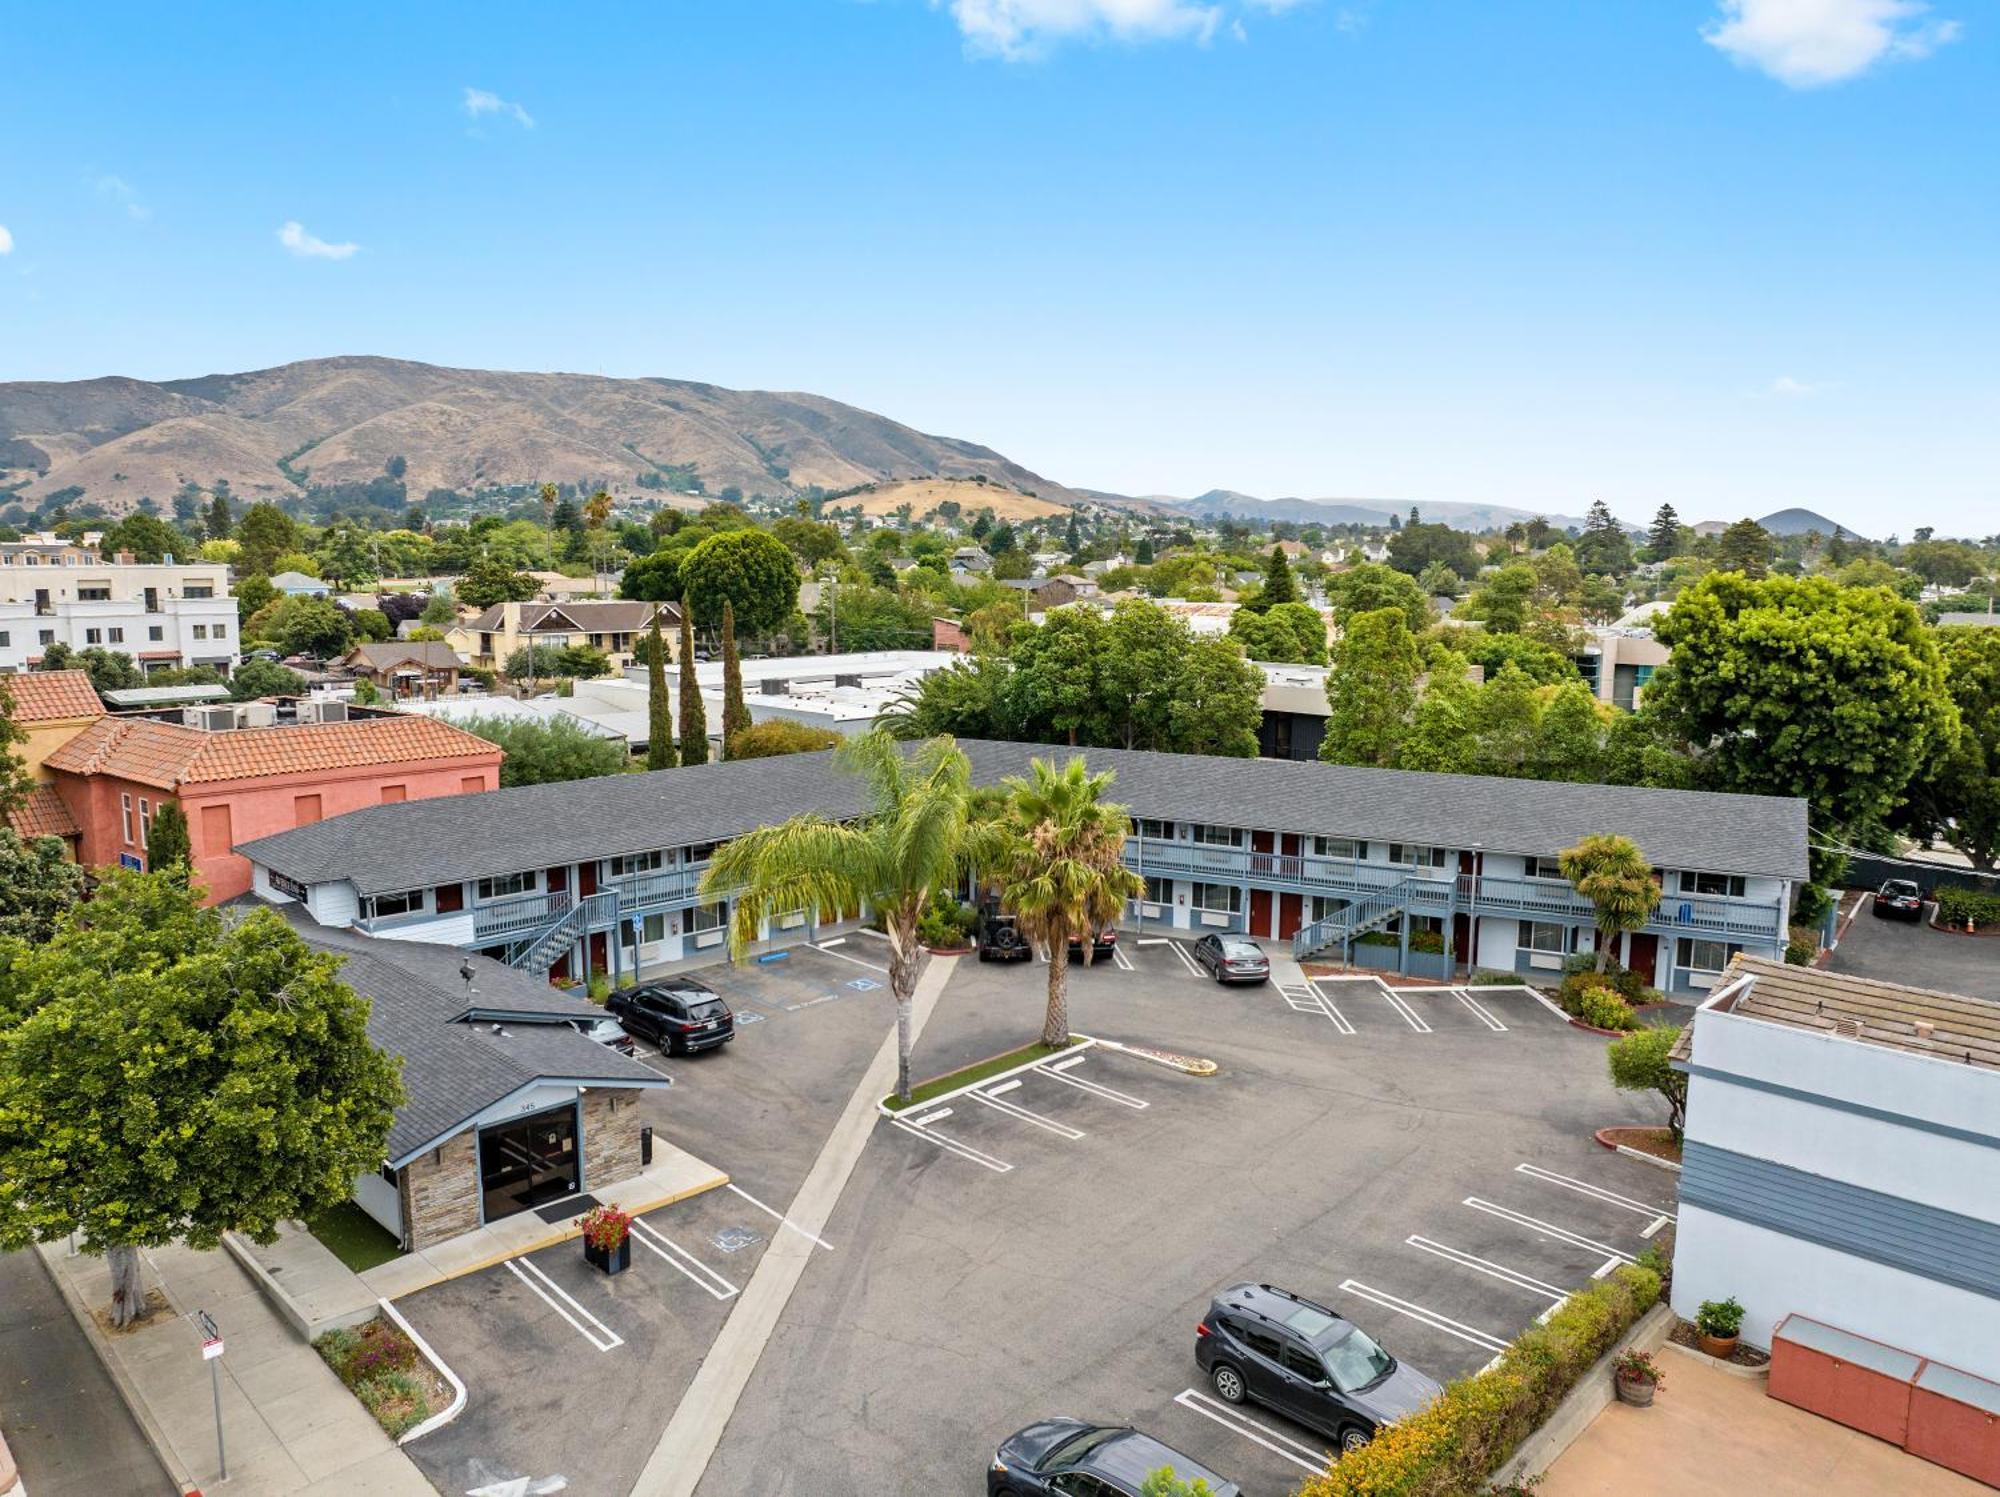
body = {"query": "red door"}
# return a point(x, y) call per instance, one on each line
point(1260, 912)
point(586, 880)
point(559, 879)
point(1291, 915)
point(1645, 953)
point(1292, 844)
point(600, 959)
point(1260, 842)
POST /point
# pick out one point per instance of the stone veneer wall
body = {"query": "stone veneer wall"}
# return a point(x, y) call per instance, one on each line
point(611, 1125)
point(440, 1192)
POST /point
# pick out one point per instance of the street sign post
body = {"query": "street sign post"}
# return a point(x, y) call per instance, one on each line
point(211, 1353)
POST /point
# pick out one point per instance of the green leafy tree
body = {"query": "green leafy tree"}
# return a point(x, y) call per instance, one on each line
point(1944, 563)
point(1371, 690)
point(1795, 686)
point(1060, 869)
point(147, 537)
point(440, 609)
point(306, 626)
point(1418, 544)
point(735, 716)
point(491, 581)
point(653, 579)
point(166, 1075)
point(916, 838)
point(967, 699)
point(1058, 675)
point(582, 662)
point(543, 751)
point(1166, 1482)
point(1503, 601)
point(1957, 797)
point(1603, 547)
point(749, 569)
point(1506, 717)
point(1142, 554)
point(1641, 1062)
point(38, 882)
point(109, 670)
point(809, 540)
point(264, 678)
point(534, 663)
point(1440, 736)
point(660, 750)
point(1569, 736)
point(1664, 538)
point(1217, 703)
point(373, 624)
point(254, 594)
point(1287, 634)
point(16, 784)
point(1746, 547)
point(1611, 872)
point(1370, 586)
point(779, 736)
point(265, 533)
point(1540, 661)
point(168, 848)
point(219, 522)
point(694, 715)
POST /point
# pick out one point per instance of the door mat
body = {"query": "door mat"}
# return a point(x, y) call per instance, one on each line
point(562, 1211)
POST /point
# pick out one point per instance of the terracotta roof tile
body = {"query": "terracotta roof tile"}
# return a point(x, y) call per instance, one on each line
point(48, 696)
point(169, 755)
point(43, 814)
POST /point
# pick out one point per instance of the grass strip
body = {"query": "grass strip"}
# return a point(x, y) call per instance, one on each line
point(979, 1070)
point(354, 1237)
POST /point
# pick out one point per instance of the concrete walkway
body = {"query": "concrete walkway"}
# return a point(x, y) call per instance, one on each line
point(678, 1462)
point(289, 1425)
point(1709, 1434)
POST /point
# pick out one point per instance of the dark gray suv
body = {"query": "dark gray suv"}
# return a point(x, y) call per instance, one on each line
point(1273, 1347)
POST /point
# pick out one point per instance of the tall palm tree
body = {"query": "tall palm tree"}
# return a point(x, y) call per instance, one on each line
point(1061, 869)
point(915, 838)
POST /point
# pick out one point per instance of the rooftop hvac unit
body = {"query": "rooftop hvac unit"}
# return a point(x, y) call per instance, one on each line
point(775, 686)
point(258, 714)
point(217, 719)
point(854, 681)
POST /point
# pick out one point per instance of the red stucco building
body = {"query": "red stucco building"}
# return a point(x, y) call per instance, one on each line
point(243, 783)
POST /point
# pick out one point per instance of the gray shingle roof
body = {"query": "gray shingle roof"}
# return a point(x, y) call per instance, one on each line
point(452, 1070)
point(442, 840)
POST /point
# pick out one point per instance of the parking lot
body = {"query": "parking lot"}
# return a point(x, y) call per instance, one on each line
point(573, 1374)
point(1912, 953)
point(1420, 1160)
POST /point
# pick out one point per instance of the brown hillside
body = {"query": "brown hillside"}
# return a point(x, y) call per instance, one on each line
point(924, 495)
point(340, 420)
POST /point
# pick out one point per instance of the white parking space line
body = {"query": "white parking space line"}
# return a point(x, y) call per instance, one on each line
point(1305, 998)
point(1123, 962)
point(1254, 1430)
point(1486, 1266)
point(1479, 1010)
point(1430, 1318)
point(782, 1219)
point(1548, 1229)
point(1095, 1088)
point(1015, 1110)
point(1332, 1009)
point(953, 1146)
point(1193, 967)
point(1064, 1065)
point(1410, 1015)
point(676, 1256)
point(1595, 1192)
point(593, 1330)
point(843, 956)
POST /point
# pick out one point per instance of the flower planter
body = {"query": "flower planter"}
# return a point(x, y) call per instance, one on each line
point(609, 1260)
point(1634, 1390)
point(1722, 1348)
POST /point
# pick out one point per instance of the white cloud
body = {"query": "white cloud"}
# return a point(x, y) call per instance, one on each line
point(1015, 29)
point(479, 101)
point(6, 241)
point(294, 237)
point(1810, 43)
point(118, 192)
point(1785, 387)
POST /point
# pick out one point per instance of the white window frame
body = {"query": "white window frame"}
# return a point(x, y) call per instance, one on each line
point(1720, 885)
point(125, 815)
point(1157, 831)
point(1410, 855)
point(402, 902)
point(626, 864)
point(506, 885)
point(1687, 948)
point(1539, 867)
point(1531, 933)
point(654, 928)
point(705, 919)
point(1209, 834)
point(1347, 849)
point(698, 853)
point(1203, 891)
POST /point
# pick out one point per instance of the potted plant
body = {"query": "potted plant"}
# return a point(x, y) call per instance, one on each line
point(1635, 1375)
point(607, 1239)
point(1716, 1325)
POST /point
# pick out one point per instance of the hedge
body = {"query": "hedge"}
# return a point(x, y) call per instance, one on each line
point(1955, 906)
point(1452, 1447)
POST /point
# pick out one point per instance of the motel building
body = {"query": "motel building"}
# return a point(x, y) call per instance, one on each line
point(1422, 874)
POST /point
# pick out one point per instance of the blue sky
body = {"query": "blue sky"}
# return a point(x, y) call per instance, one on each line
point(1736, 254)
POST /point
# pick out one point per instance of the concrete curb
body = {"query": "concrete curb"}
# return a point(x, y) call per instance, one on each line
point(1080, 1044)
point(287, 1307)
point(156, 1437)
point(1639, 1154)
point(457, 1406)
point(1589, 1398)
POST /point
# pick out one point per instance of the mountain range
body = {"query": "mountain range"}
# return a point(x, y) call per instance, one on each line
point(1228, 502)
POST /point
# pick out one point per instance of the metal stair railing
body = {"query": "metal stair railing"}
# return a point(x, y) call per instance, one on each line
point(549, 943)
point(1360, 917)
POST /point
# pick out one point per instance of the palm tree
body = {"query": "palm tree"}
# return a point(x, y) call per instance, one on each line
point(916, 837)
point(1611, 872)
point(1061, 869)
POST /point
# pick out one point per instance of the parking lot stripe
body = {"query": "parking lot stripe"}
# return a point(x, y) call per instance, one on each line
point(843, 956)
point(1332, 1009)
point(675, 1256)
point(597, 1333)
point(1547, 1229)
point(953, 1146)
point(1123, 961)
point(1015, 1110)
point(1193, 967)
point(1410, 1015)
point(1486, 1266)
point(1479, 1010)
point(1430, 1318)
point(1254, 1430)
point(783, 1220)
point(1064, 1065)
point(1096, 1089)
point(1597, 1192)
point(931, 1117)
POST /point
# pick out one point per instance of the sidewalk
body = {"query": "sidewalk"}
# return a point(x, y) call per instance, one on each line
point(289, 1425)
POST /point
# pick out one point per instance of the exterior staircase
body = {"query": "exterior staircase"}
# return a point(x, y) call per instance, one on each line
point(544, 948)
point(1370, 912)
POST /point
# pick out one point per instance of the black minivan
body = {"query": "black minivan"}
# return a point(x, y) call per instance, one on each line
point(1273, 1347)
point(678, 1014)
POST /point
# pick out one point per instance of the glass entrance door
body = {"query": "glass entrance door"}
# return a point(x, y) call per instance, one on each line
point(528, 1162)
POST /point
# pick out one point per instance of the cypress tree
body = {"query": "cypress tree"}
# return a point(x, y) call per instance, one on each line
point(735, 716)
point(694, 718)
point(659, 709)
point(1278, 584)
point(167, 844)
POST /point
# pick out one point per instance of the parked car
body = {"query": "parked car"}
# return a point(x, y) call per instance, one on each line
point(999, 938)
point(1232, 959)
point(1103, 1460)
point(1101, 948)
point(678, 1014)
point(1899, 899)
point(607, 1032)
point(1270, 1346)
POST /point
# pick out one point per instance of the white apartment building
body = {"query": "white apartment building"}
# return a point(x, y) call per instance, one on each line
point(161, 614)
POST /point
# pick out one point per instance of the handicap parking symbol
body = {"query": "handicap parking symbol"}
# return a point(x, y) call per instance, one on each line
point(863, 984)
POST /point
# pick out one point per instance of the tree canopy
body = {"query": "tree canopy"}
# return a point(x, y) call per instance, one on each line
point(540, 751)
point(749, 569)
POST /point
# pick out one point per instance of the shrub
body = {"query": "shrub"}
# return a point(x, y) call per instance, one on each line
point(1587, 996)
point(1484, 978)
point(1719, 1317)
point(1378, 938)
point(1641, 1063)
point(358, 1355)
point(1451, 1447)
point(1427, 940)
point(1958, 906)
point(1639, 1367)
point(945, 923)
point(1802, 946)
